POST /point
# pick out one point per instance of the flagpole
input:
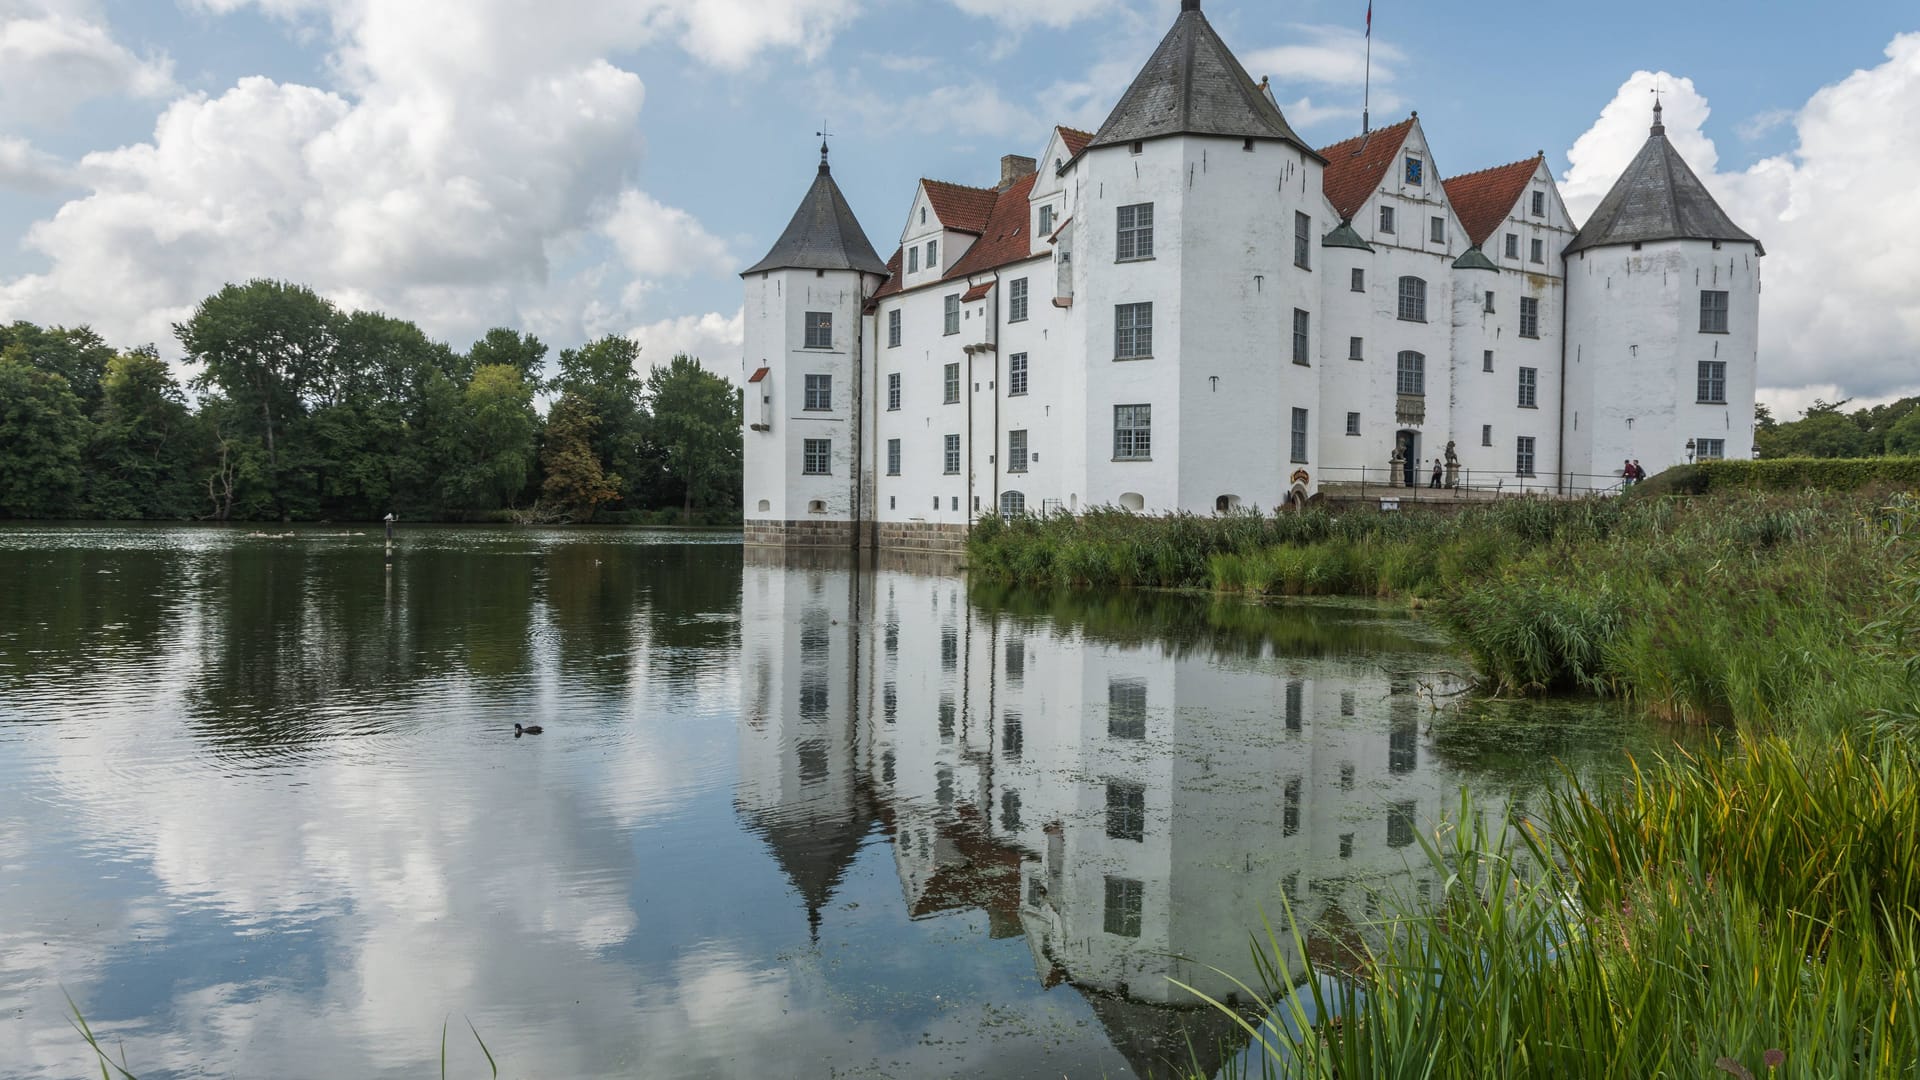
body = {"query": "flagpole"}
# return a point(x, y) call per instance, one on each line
point(1366, 108)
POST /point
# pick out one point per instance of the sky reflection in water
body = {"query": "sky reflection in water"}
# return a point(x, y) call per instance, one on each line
point(262, 811)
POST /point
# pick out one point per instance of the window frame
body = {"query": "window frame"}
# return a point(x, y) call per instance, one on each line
point(1387, 223)
point(1131, 333)
point(951, 378)
point(1302, 337)
point(1133, 441)
point(1122, 906)
point(951, 457)
point(1537, 251)
point(1357, 348)
point(951, 305)
point(1530, 318)
point(1017, 300)
point(1716, 318)
point(808, 461)
point(1486, 434)
point(1126, 811)
point(1018, 456)
point(1529, 388)
point(1045, 225)
point(1525, 456)
point(1413, 298)
point(1513, 246)
point(1410, 369)
point(1301, 425)
point(1437, 230)
point(893, 457)
point(893, 328)
point(1539, 205)
point(1700, 449)
point(816, 322)
point(1486, 360)
point(893, 391)
point(933, 256)
point(1017, 374)
point(1353, 423)
point(913, 259)
point(1711, 382)
point(1302, 240)
point(1358, 283)
point(816, 394)
point(1133, 236)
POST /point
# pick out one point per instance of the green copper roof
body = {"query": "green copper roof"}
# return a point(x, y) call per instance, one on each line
point(1344, 236)
point(1475, 259)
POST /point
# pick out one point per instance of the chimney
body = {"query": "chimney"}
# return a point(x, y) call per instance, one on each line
point(1014, 168)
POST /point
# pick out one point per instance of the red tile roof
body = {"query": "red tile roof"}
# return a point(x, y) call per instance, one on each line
point(962, 209)
point(892, 284)
point(978, 292)
point(1482, 200)
point(760, 375)
point(1075, 139)
point(1356, 167)
point(1007, 238)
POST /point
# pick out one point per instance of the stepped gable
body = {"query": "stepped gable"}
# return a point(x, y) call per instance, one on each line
point(1483, 200)
point(1356, 167)
point(823, 235)
point(1658, 198)
point(1193, 85)
point(1006, 238)
point(960, 208)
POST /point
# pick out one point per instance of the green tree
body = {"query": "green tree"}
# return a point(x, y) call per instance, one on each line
point(498, 426)
point(144, 452)
point(575, 482)
point(696, 431)
point(43, 437)
point(1825, 432)
point(605, 375)
point(76, 354)
point(1903, 439)
point(269, 348)
point(521, 351)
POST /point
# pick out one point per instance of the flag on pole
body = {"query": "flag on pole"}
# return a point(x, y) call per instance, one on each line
point(1369, 18)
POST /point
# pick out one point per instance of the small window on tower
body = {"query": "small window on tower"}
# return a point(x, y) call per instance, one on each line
point(819, 330)
point(1386, 220)
point(1539, 204)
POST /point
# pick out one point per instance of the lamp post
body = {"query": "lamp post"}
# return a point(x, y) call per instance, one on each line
point(1691, 447)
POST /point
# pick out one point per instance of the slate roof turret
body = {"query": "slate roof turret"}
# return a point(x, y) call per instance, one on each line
point(1193, 85)
point(823, 235)
point(1658, 198)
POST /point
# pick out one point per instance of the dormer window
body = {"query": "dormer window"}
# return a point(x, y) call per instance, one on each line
point(1539, 204)
point(1046, 220)
point(1139, 148)
point(933, 255)
point(923, 215)
point(913, 260)
point(1416, 171)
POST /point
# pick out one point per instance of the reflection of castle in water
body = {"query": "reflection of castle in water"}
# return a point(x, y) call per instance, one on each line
point(1130, 808)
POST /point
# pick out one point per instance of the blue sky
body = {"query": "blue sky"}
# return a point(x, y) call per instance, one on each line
point(582, 168)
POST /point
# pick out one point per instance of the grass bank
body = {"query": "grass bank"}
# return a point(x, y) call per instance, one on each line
point(1741, 606)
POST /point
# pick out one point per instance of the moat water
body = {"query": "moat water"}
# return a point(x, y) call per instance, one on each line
point(263, 812)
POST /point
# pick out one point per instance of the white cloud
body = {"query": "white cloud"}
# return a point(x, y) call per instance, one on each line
point(713, 339)
point(1839, 314)
point(472, 167)
point(25, 168)
point(1024, 14)
point(56, 55)
point(1325, 56)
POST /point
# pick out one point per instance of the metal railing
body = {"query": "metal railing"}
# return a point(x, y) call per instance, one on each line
point(1466, 483)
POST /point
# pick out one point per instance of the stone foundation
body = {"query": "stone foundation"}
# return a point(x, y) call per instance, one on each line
point(849, 535)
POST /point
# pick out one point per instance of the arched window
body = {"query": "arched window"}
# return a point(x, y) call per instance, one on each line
point(1413, 374)
point(1013, 504)
point(1413, 299)
point(766, 507)
point(1133, 502)
point(1226, 504)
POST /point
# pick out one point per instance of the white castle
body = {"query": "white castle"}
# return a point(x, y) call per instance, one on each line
point(1193, 310)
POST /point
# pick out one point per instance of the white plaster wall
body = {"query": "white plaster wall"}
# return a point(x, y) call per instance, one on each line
point(925, 418)
point(1039, 412)
point(1635, 340)
point(765, 344)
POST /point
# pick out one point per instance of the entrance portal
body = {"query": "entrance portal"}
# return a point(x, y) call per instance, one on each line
point(1408, 442)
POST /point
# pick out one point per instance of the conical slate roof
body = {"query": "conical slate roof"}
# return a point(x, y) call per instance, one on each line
point(823, 235)
point(1658, 198)
point(1193, 85)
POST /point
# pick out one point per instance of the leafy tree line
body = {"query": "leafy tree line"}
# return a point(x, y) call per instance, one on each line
point(1826, 431)
point(302, 412)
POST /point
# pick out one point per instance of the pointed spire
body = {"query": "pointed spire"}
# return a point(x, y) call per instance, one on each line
point(1658, 197)
point(1659, 126)
point(824, 169)
point(824, 234)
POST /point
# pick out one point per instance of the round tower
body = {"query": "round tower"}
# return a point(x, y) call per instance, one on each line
point(1663, 321)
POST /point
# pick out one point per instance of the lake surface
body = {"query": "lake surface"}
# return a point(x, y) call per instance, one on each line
point(262, 811)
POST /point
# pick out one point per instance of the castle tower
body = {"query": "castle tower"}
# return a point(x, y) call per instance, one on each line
point(1663, 310)
point(1194, 251)
point(805, 479)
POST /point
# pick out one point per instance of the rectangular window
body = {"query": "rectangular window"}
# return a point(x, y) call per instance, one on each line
point(1413, 299)
point(1290, 808)
point(1437, 230)
point(1046, 222)
point(1386, 220)
point(1359, 280)
point(913, 259)
point(1356, 348)
point(818, 460)
point(1523, 456)
point(1132, 331)
point(819, 330)
point(953, 455)
point(1302, 241)
point(1302, 328)
point(1132, 432)
point(1713, 311)
point(1122, 917)
point(1539, 204)
point(1486, 434)
point(1540, 251)
point(1710, 449)
point(933, 255)
point(1513, 245)
point(1017, 374)
point(1017, 301)
point(1126, 811)
point(953, 384)
point(953, 314)
point(1412, 380)
point(1401, 824)
point(1529, 317)
point(1713, 382)
point(1016, 451)
point(893, 329)
point(819, 393)
point(1010, 800)
point(893, 392)
point(1013, 743)
point(1126, 709)
point(893, 457)
point(1488, 307)
point(1486, 360)
point(1299, 436)
point(1353, 423)
point(1529, 388)
point(1135, 237)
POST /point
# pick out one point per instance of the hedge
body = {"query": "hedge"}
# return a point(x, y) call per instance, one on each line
point(1789, 474)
